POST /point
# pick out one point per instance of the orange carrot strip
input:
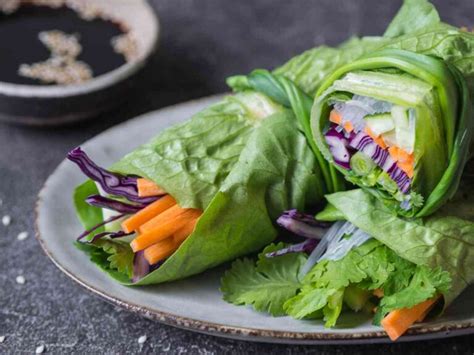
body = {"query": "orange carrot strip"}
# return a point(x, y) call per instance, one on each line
point(393, 151)
point(181, 235)
point(397, 322)
point(378, 292)
point(335, 117)
point(377, 139)
point(163, 231)
point(370, 133)
point(405, 157)
point(160, 250)
point(134, 222)
point(147, 188)
point(159, 219)
point(407, 168)
point(399, 154)
point(348, 126)
point(168, 246)
point(404, 160)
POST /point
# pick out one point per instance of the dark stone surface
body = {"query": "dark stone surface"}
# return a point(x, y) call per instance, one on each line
point(203, 41)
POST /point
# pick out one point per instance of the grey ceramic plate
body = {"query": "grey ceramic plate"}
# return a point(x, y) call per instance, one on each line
point(194, 303)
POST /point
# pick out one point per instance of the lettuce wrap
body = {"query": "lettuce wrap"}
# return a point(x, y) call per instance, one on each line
point(394, 117)
point(240, 162)
point(398, 124)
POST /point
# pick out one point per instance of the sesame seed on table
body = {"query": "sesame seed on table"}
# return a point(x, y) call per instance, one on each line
point(202, 42)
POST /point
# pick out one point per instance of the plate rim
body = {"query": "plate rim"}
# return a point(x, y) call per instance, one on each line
point(422, 332)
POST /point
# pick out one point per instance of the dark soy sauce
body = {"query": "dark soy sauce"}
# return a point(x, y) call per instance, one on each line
point(19, 43)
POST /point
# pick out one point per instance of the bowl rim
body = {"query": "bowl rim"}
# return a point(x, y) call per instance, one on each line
point(99, 82)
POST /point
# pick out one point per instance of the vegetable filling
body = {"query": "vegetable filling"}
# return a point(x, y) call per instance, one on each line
point(374, 140)
point(154, 220)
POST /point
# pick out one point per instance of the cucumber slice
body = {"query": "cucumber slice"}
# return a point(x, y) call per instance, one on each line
point(362, 164)
point(404, 128)
point(390, 138)
point(380, 124)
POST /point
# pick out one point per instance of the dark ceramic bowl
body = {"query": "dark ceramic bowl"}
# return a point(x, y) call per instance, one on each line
point(61, 104)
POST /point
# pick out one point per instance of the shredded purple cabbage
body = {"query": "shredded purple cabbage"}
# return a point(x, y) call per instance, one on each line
point(305, 218)
point(304, 247)
point(302, 224)
point(365, 144)
point(89, 231)
point(111, 183)
point(338, 145)
point(114, 205)
point(111, 235)
point(141, 268)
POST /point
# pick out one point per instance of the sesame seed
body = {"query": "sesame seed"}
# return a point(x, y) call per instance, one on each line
point(39, 349)
point(142, 339)
point(20, 280)
point(6, 220)
point(2, 338)
point(22, 236)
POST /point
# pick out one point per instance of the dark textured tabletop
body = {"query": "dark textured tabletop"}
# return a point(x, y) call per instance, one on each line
point(202, 42)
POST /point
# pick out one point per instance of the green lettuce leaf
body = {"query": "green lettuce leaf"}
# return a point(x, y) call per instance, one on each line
point(265, 285)
point(309, 69)
point(443, 241)
point(88, 216)
point(275, 171)
point(192, 160)
point(115, 257)
point(412, 16)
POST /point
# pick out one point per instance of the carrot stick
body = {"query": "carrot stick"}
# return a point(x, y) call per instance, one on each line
point(181, 235)
point(335, 117)
point(377, 139)
point(147, 188)
point(134, 222)
point(405, 157)
point(160, 250)
point(161, 218)
point(398, 321)
point(168, 246)
point(407, 168)
point(163, 231)
point(348, 126)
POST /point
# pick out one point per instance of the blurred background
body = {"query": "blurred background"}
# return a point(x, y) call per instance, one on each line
point(201, 43)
